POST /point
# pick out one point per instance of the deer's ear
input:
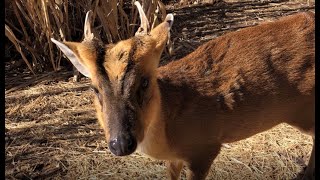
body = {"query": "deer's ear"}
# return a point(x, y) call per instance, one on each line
point(71, 50)
point(162, 32)
point(78, 53)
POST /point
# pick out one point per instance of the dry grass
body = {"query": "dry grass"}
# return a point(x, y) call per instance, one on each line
point(52, 132)
point(30, 25)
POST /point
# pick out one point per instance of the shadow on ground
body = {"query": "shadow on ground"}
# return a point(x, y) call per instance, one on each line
point(51, 125)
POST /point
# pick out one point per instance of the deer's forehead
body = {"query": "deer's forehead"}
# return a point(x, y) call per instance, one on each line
point(126, 53)
point(115, 70)
point(117, 59)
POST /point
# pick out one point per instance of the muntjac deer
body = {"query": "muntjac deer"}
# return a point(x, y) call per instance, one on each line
point(230, 88)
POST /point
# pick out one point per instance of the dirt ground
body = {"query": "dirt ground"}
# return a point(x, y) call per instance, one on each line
point(51, 129)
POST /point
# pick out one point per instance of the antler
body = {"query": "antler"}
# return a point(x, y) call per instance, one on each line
point(87, 26)
point(144, 27)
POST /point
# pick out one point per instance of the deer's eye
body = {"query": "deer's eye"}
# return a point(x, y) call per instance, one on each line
point(144, 83)
point(96, 92)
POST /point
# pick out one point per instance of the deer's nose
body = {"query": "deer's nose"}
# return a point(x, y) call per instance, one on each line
point(123, 145)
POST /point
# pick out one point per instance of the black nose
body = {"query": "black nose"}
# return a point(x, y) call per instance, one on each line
point(122, 145)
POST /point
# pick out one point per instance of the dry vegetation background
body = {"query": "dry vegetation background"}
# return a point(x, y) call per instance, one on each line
point(51, 129)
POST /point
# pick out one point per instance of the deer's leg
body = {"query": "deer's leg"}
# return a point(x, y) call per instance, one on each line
point(76, 75)
point(199, 165)
point(173, 169)
point(310, 171)
point(304, 120)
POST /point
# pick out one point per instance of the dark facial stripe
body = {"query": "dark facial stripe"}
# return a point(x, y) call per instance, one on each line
point(131, 55)
point(130, 64)
point(102, 77)
point(100, 57)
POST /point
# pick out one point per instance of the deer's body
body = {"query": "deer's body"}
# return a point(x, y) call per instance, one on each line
point(238, 85)
point(229, 89)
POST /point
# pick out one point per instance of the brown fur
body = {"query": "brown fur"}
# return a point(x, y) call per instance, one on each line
point(230, 88)
point(240, 84)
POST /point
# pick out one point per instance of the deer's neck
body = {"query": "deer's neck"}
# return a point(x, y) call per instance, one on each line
point(179, 85)
point(155, 142)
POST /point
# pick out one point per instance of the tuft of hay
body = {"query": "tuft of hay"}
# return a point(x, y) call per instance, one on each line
point(52, 131)
point(30, 25)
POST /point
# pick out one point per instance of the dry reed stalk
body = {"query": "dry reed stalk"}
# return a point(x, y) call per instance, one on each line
point(9, 34)
point(33, 23)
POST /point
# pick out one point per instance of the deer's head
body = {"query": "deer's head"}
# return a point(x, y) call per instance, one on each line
point(123, 78)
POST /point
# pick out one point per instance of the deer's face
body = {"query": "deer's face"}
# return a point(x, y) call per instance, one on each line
point(123, 86)
point(123, 80)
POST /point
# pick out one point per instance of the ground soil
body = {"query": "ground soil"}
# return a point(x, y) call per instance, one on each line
point(51, 129)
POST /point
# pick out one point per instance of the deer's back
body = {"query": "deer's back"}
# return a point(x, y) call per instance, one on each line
point(263, 56)
point(250, 79)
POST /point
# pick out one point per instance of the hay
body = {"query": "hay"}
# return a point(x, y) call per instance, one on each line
point(51, 130)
